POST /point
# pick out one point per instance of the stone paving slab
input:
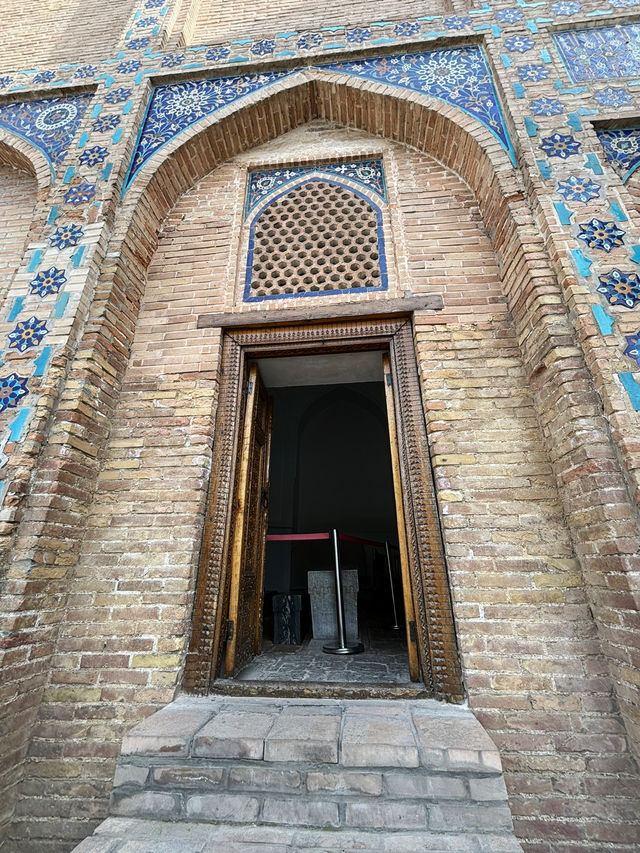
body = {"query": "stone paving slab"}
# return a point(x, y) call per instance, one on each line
point(127, 835)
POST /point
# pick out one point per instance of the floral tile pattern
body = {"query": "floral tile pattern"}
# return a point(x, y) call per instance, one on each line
point(48, 123)
point(621, 149)
point(601, 235)
point(93, 156)
point(601, 53)
point(368, 173)
point(612, 97)
point(578, 188)
point(459, 76)
point(48, 281)
point(28, 333)
point(620, 288)
point(66, 235)
point(558, 145)
point(12, 388)
point(80, 194)
point(176, 107)
point(633, 347)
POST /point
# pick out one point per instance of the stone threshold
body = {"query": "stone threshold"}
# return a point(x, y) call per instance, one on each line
point(413, 771)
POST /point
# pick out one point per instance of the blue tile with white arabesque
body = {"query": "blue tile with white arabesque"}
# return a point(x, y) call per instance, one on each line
point(600, 53)
point(458, 76)
point(621, 149)
point(366, 173)
point(49, 124)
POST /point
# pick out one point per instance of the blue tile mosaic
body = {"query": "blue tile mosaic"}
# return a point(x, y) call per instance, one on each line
point(94, 156)
point(565, 8)
point(509, 16)
point(66, 235)
point(47, 282)
point(612, 97)
point(546, 107)
point(117, 96)
point(12, 388)
point(620, 288)
point(104, 124)
point(621, 149)
point(532, 73)
point(368, 173)
point(406, 28)
point(457, 22)
point(598, 234)
point(578, 188)
point(519, 44)
point(263, 47)
point(558, 145)
point(129, 66)
point(216, 54)
point(48, 123)
point(28, 333)
point(633, 347)
point(176, 107)
point(44, 77)
point(80, 194)
point(601, 53)
point(5, 81)
point(172, 60)
point(138, 43)
point(459, 76)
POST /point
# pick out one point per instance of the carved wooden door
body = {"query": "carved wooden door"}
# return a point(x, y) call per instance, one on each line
point(409, 610)
point(244, 625)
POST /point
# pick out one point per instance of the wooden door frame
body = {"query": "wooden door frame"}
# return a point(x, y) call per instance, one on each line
point(430, 585)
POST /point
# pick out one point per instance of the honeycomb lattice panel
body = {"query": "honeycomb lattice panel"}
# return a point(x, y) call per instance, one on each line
point(318, 237)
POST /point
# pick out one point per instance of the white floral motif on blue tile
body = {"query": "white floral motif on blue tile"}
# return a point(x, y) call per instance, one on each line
point(176, 107)
point(48, 123)
point(601, 53)
point(367, 173)
point(622, 149)
point(458, 76)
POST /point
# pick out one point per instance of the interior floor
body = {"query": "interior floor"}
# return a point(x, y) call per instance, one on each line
point(384, 661)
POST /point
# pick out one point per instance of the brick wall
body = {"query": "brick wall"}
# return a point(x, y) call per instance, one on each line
point(48, 33)
point(534, 438)
point(533, 665)
point(214, 22)
point(18, 191)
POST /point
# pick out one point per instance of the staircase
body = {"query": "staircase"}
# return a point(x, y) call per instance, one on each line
point(244, 774)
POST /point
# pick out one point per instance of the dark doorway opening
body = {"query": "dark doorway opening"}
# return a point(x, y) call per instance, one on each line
point(330, 468)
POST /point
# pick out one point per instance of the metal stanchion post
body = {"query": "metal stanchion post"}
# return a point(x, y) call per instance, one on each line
point(395, 626)
point(341, 647)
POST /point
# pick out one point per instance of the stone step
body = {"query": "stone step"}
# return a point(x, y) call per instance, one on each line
point(133, 835)
point(390, 767)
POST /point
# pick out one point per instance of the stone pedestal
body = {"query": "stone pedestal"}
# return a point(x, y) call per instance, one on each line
point(322, 592)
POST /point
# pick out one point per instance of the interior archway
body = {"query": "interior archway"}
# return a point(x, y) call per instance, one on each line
point(18, 197)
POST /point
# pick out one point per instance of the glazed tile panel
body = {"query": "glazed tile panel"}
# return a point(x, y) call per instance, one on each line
point(367, 173)
point(48, 123)
point(458, 76)
point(602, 53)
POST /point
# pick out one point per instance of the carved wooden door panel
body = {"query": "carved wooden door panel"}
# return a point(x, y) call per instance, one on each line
point(409, 610)
point(250, 505)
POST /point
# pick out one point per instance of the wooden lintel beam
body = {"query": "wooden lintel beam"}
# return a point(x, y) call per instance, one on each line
point(296, 316)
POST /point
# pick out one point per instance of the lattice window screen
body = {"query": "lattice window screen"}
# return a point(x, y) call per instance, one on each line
point(318, 237)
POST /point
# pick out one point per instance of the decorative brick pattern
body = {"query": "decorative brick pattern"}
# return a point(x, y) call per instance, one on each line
point(319, 237)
